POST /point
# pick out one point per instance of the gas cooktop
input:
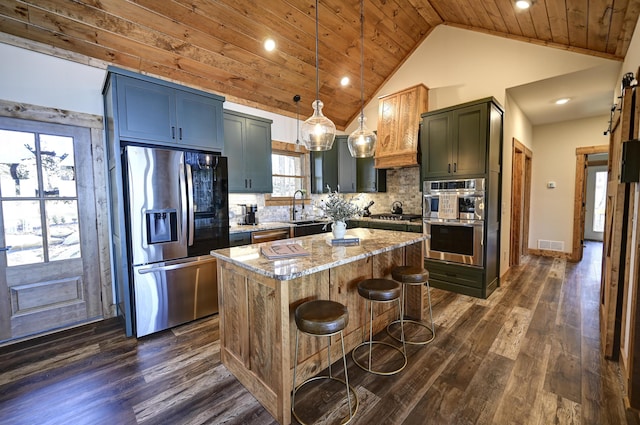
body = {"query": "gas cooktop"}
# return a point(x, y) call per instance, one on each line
point(397, 217)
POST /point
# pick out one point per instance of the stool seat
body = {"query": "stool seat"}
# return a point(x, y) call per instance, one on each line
point(379, 289)
point(411, 275)
point(321, 317)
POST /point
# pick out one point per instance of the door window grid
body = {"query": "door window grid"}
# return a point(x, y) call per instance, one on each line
point(599, 202)
point(39, 197)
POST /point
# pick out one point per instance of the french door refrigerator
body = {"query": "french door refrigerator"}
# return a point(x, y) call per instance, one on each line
point(176, 212)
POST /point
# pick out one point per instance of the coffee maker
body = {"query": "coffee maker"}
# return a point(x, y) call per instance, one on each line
point(248, 214)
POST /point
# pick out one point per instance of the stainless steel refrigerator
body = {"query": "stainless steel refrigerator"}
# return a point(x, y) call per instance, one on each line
point(176, 212)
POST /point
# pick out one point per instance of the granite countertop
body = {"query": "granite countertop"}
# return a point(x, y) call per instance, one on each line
point(322, 256)
point(239, 228)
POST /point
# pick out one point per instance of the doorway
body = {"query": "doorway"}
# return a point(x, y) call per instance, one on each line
point(591, 155)
point(522, 159)
point(49, 277)
point(596, 197)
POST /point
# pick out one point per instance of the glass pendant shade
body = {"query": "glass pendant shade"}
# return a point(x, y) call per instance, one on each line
point(362, 142)
point(318, 131)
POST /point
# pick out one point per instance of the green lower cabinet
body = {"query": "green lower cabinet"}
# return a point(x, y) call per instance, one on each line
point(240, 238)
point(458, 278)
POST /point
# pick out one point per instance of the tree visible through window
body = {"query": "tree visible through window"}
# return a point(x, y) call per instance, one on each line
point(39, 197)
point(289, 171)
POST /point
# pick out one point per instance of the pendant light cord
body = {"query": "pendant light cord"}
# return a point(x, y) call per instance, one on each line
point(361, 61)
point(317, 65)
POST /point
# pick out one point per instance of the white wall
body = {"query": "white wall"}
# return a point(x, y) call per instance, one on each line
point(460, 66)
point(38, 79)
point(516, 125)
point(554, 159)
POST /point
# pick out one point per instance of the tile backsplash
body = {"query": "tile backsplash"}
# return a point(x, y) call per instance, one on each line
point(403, 184)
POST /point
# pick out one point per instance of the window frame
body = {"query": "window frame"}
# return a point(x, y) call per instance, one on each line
point(290, 149)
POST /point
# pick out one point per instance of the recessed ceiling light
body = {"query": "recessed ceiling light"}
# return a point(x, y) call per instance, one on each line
point(344, 81)
point(523, 4)
point(562, 101)
point(269, 44)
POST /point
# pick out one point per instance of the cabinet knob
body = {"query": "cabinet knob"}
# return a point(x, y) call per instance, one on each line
point(455, 167)
point(448, 167)
point(180, 132)
point(173, 132)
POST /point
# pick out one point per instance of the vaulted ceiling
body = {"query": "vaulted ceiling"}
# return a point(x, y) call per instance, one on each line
point(218, 45)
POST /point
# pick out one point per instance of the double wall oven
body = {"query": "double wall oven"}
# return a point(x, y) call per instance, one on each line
point(454, 220)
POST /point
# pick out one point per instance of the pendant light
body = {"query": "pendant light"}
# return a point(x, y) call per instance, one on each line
point(296, 99)
point(318, 131)
point(362, 142)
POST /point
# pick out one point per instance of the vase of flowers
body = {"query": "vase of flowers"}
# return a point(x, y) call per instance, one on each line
point(338, 208)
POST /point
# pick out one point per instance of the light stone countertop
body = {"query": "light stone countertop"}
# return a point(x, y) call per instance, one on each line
point(239, 228)
point(322, 256)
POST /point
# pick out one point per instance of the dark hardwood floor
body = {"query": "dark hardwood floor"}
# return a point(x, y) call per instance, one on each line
point(530, 354)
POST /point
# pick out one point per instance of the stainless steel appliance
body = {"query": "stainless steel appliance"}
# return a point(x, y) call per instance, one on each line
point(454, 220)
point(177, 204)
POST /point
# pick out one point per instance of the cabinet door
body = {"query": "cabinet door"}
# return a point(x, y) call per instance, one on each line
point(346, 166)
point(146, 111)
point(435, 142)
point(199, 121)
point(257, 155)
point(234, 136)
point(469, 140)
point(324, 170)
point(368, 178)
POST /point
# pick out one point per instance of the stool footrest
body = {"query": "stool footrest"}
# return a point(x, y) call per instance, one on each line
point(369, 368)
point(410, 322)
point(316, 378)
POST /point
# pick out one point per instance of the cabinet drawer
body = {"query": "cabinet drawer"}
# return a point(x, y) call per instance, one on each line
point(237, 239)
point(269, 235)
point(460, 275)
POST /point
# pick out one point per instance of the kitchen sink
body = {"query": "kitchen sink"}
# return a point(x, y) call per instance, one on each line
point(307, 222)
point(310, 227)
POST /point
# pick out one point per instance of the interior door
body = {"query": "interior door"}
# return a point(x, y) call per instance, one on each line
point(49, 276)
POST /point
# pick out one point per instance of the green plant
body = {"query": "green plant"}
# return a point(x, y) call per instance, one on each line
point(338, 208)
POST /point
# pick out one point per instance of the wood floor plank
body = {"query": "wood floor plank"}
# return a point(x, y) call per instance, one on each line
point(529, 354)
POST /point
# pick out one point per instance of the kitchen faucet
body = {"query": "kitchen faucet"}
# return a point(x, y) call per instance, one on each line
point(293, 203)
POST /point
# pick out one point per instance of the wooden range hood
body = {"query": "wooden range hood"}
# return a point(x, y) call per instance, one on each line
point(398, 125)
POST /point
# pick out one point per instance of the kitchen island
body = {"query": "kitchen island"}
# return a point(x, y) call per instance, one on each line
point(257, 299)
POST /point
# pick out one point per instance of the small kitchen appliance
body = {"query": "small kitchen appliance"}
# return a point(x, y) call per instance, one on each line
point(250, 217)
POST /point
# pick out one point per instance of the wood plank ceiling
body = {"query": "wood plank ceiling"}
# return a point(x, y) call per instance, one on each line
point(218, 45)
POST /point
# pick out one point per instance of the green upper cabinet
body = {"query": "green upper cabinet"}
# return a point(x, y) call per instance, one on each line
point(346, 166)
point(151, 110)
point(453, 141)
point(247, 146)
point(370, 179)
point(338, 167)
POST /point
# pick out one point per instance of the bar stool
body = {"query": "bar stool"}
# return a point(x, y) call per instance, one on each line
point(379, 291)
point(411, 276)
point(323, 318)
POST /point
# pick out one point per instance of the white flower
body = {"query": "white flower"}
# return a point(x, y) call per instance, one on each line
point(338, 208)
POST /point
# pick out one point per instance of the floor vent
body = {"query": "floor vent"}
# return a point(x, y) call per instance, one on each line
point(551, 245)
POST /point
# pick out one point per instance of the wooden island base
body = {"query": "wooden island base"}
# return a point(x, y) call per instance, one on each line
point(257, 327)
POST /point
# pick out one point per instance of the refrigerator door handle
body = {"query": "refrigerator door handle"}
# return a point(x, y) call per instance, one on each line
point(177, 265)
point(192, 215)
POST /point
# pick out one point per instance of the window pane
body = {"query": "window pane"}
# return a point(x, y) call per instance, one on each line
point(58, 166)
point(286, 164)
point(23, 232)
point(18, 172)
point(62, 230)
point(286, 186)
point(600, 201)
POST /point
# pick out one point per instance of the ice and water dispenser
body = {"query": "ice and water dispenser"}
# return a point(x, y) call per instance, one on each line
point(162, 226)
